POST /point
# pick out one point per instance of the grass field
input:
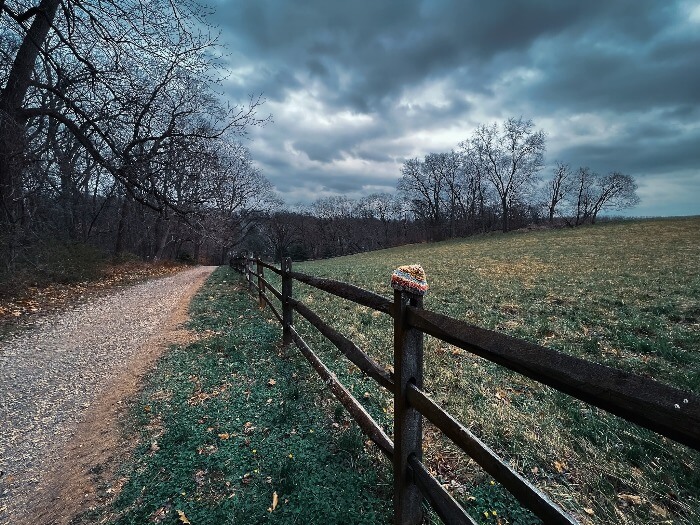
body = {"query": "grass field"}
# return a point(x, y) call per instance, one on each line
point(622, 294)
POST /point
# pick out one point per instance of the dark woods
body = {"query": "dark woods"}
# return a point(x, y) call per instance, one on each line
point(113, 139)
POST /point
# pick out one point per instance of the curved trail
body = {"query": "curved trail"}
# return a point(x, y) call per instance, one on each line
point(65, 384)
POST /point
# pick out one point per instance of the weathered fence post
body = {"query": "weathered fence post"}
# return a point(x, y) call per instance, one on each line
point(287, 310)
point(261, 286)
point(249, 264)
point(409, 286)
point(244, 269)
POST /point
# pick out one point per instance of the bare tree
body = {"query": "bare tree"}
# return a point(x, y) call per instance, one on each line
point(383, 207)
point(422, 185)
point(614, 191)
point(592, 193)
point(512, 158)
point(582, 195)
point(128, 75)
point(282, 229)
point(556, 188)
point(235, 196)
point(448, 168)
point(335, 225)
point(476, 196)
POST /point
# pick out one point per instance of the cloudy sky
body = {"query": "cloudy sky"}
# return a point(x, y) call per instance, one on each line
point(357, 87)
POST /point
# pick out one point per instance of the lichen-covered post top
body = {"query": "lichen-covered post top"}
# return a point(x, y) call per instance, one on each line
point(410, 279)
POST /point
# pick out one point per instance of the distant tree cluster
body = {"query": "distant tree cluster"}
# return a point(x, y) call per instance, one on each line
point(495, 178)
point(492, 181)
point(333, 226)
point(578, 196)
point(111, 132)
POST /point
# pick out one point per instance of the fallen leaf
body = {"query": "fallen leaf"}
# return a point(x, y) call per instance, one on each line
point(275, 501)
point(224, 435)
point(588, 511)
point(659, 511)
point(183, 518)
point(630, 498)
point(560, 466)
point(272, 382)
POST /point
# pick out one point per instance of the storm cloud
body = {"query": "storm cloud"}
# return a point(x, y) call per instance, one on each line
point(355, 88)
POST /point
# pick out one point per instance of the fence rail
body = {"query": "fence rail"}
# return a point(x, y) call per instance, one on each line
point(663, 409)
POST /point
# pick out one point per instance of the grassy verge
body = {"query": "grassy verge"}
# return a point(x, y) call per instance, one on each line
point(232, 431)
point(625, 295)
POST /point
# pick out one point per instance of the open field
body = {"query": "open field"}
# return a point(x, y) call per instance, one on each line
point(623, 294)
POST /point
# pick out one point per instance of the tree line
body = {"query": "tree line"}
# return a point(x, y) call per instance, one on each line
point(495, 175)
point(494, 180)
point(113, 133)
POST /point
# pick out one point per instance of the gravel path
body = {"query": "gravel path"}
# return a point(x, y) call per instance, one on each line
point(50, 376)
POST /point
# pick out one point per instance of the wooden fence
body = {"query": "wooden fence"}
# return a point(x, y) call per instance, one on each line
point(663, 409)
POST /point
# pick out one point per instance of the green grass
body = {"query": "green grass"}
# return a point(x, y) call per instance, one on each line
point(228, 421)
point(622, 294)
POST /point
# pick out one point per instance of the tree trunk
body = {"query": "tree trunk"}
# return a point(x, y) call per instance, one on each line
point(163, 227)
point(197, 249)
point(11, 121)
point(121, 228)
point(505, 207)
point(21, 72)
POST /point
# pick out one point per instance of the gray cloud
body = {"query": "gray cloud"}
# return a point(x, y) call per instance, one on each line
point(356, 87)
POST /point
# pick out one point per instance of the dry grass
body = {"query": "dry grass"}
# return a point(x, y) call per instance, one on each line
point(625, 295)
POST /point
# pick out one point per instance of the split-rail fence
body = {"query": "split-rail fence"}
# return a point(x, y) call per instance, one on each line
point(661, 408)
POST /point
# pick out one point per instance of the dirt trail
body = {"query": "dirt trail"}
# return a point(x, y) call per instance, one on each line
point(65, 386)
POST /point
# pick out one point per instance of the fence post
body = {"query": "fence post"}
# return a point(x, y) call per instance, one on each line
point(249, 264)
point(287, 310)
point(409, 286)
point(261, 286)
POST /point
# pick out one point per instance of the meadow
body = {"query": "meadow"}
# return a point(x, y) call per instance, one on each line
point(622, 294)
